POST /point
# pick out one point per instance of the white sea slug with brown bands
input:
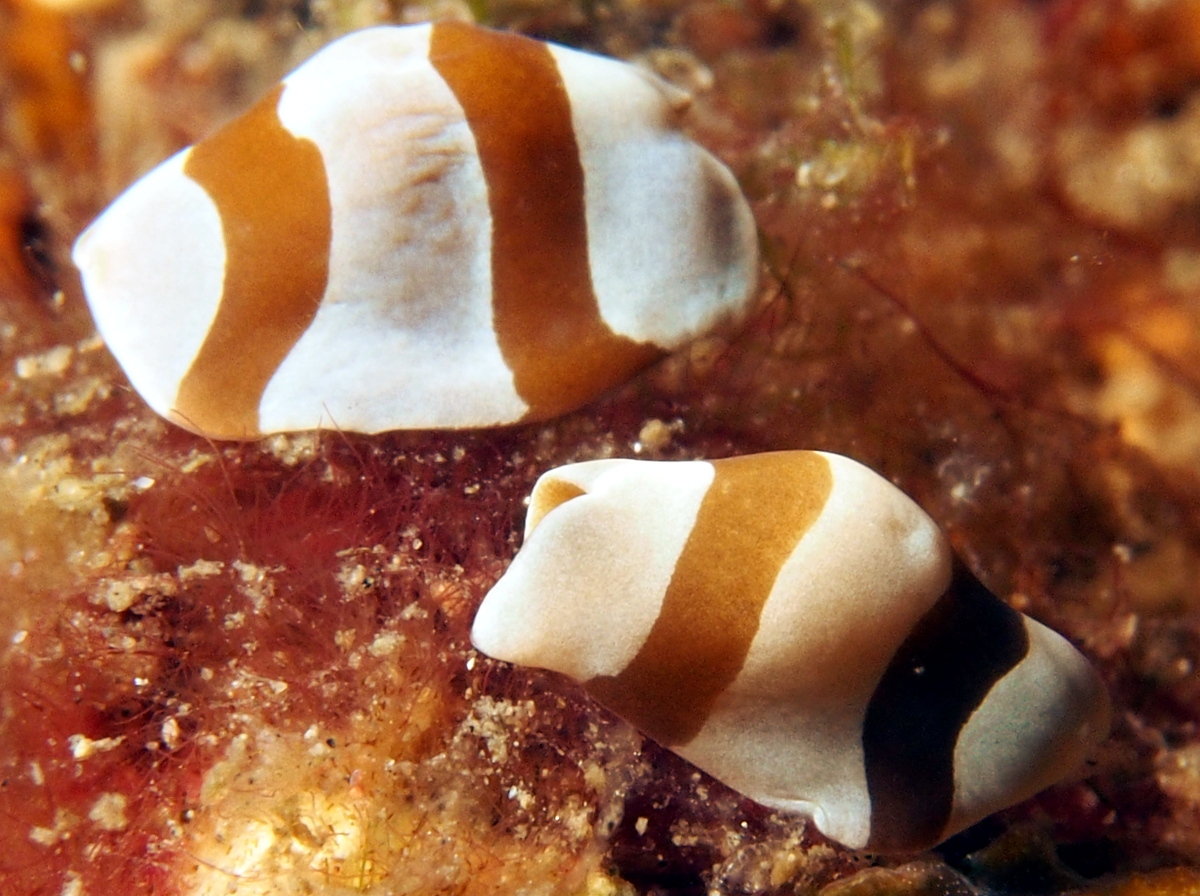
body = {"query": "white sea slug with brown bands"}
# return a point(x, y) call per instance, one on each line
point(429, 226)
point(796, 626)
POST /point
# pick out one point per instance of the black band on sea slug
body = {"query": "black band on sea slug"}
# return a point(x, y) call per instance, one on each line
point(939, 676)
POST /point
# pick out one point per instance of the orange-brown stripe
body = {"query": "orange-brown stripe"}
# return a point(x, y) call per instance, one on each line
point(550, 493)
point(749, 522)
point(270, 189)
point(547, 320)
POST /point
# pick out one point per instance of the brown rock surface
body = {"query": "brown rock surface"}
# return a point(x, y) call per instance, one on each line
point(244, 668)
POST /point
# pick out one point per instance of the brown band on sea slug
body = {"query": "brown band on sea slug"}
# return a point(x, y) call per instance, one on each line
point(750, 520)
point(546, 315)
point(550, 493)
point(277, 224)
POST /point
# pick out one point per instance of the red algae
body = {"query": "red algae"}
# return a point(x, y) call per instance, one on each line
point(48, 112)
point(245, 668)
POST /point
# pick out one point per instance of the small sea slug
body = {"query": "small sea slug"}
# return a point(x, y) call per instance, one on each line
point(796, 626)
point(431, 226)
